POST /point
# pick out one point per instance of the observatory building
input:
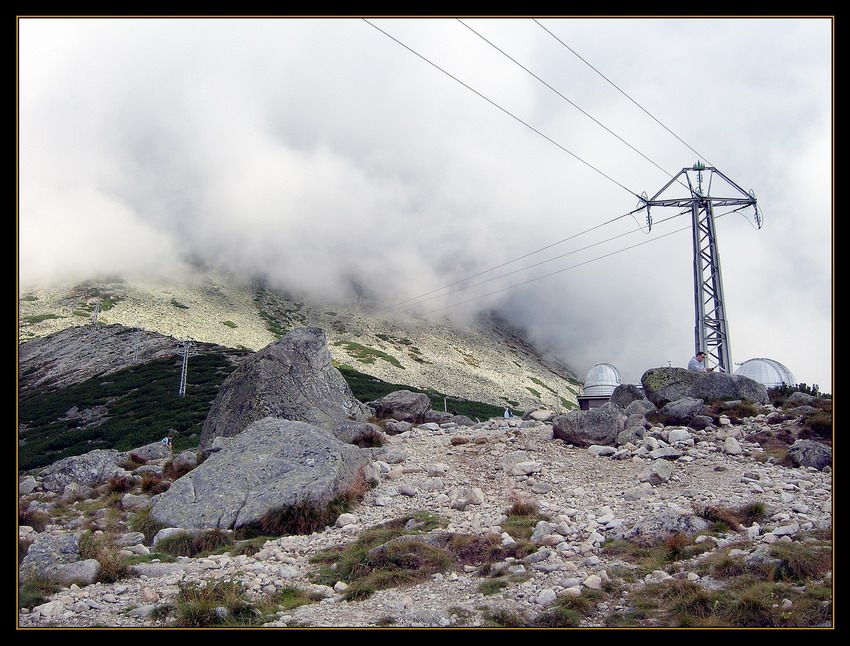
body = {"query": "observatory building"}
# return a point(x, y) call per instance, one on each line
point(600, 382)
point(769, 373)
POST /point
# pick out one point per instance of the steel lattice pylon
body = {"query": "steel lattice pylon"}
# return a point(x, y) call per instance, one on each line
point(711, 329)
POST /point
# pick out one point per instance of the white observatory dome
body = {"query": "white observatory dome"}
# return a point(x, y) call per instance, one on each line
point(601, 380)
point(769, 373)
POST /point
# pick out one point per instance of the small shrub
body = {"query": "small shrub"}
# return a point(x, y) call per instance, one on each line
point(34, 591)
point(119, 484)
point(751, 513)
point(524, 507)
point(493, 586)
point(798, 562)
point(211, 540)
point(172, 472)
point(153, 484)
point(230, 324)
point(143, 522)
point(178, 544)
point(197, 606)
point(113, 566)
point(249, 546)
point(723, 518)
point(505, 619)
point(817, 425)
point(132, 463)
point(36, 519)
point(557, 617)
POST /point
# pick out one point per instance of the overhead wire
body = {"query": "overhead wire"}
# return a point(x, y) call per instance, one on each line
point(419, 301)
point(507, 112)
point(653, 117)
point(581, 264)
point(565, 98)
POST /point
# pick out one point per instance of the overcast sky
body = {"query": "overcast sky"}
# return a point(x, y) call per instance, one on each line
point(330, 158)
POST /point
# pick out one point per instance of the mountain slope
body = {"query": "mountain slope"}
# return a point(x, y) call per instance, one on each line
point(485, 361)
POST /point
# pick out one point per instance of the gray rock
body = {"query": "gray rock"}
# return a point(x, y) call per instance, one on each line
point(601, 451)
point(700, 422)
point(678, 435)
point(185, 461)
point(596, 426)
point(153, 451)
point(81, 572)
point(130, 538)
point(462, 420)
point(395, 427)
point(133, 502)
point(47, 552)
point(509, 460)
point(26, 485)
point(661, 522)
point(90, 469)
point(682, 411)
point(291, 379)
point(526, 468)
point(631, 434)
point(625, 394)
point(361, 434)
point(664, 385)
point(539, 415)
point(402, 405)
point(640, 407)
point(732, 447)
point(807, 453)
point(666, 453)
point(798, 399)
point(437, 416)
point(658, 472)
point(273, 463)
point(169, 532)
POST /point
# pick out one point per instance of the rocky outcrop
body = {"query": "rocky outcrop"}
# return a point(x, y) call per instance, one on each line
point(798, 399)
point(402, 405)
point(273, 463)
point(362, 434)
point(664, 385)
point(75, 354)
point(807, 453)
point(595, 426)
point(90, 470)
point(292, 379)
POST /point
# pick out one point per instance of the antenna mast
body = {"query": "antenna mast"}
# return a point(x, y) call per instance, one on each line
point(187, 351)
point(711, 330)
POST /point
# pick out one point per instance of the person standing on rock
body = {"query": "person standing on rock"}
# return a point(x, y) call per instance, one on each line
point(168, 440)
point(697, 363)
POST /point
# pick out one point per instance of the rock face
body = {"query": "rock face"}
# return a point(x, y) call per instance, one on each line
point(402, 405)
point(664, 385)
point(90, 469)
point(272, 463)
point(625, 394)
point(292, 379)
point(75, 354)
point(806, 453)
point(595, 426)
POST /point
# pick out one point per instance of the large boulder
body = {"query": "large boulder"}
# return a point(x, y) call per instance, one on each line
point(807, 453)
point(625, 394)
point(292, 379)
point(271, 464)
point(153, 451)
point(664, 385)
point(362, 434)
point(595, 426)
point(402, 405)
point(90, 470)
point(682, 411)
point(798, 399)
point(57, 557)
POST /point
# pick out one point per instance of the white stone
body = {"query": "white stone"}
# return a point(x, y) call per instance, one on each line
point(732, 447)
point(346, 519)
point(546, 598)
point(594, 582)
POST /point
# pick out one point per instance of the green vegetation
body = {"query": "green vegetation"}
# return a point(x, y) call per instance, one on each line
point(566, 403)
point(365, 354)
point(113, 566)
point(540, 383)
point(534, 392)
point(216, 603)
point(368, 388)
point(141, 404)
point(381, 558)
point(33, 591)
point(143, 522)
point(230, 324)
point(656, 552)
point(38, 318)
point(178, 304)
point(29, 297)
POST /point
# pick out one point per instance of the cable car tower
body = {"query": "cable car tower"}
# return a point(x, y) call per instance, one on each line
point(711, 332)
